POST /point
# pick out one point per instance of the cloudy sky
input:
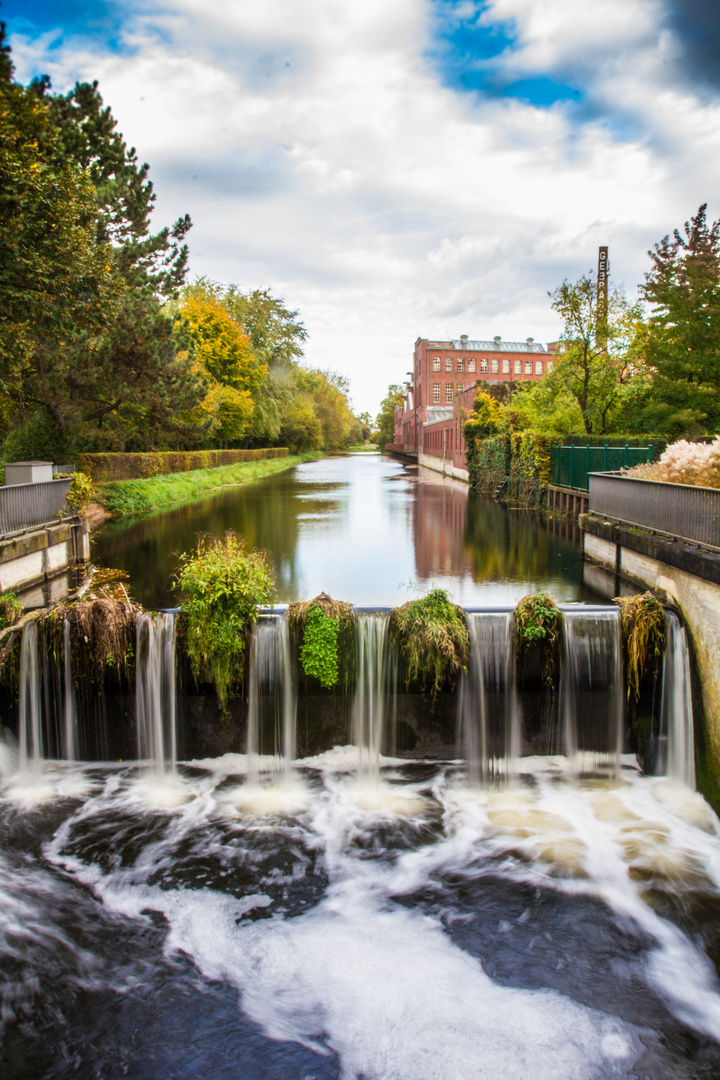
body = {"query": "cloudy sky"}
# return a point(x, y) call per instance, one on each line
point(403, 168)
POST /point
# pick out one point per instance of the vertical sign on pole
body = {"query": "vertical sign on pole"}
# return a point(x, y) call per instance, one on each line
point(602, 298)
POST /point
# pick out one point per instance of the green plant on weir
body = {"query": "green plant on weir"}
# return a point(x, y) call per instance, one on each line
point(10, 609)
point(319, 650)
point(325, 628)
point(81, 493)
point(538, 620)
point(222, 584)
point(643, 628)
point(433, 639)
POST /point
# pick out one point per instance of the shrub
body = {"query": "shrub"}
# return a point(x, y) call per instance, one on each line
point(223, 584)
point(538, 620)
point(323, 624)
point(10, 609)
point(643, 629)
point(433, 639)
point(80, 494)
point(684, 462)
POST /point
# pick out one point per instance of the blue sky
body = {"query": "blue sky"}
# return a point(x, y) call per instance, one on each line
point(425, 168)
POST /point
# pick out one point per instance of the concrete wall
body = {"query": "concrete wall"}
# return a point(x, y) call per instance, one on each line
point(687, 577)
point(40, 565)
point(444, 465)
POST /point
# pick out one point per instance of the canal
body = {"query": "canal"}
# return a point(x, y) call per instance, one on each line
point(363, 528)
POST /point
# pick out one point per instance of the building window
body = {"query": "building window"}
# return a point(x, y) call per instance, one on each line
point(460, 387)
point(448, 363)
point(448, 393)
point(436, 393)
point(436, 363)
point(548, 366)
point(471, 364)
point(483, 364)
point(461, 364)
point(528, 367)
point(538, 367)
point(518, 367)
point(506, 366)
point(494, 365)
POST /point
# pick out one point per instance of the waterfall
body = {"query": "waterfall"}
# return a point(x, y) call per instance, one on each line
point(272, 696)
point(30, 720)
point(591, 690)
point(69, 747)
point(155, 690)
point(677, 739)
point(376, 674)
point(488, 707)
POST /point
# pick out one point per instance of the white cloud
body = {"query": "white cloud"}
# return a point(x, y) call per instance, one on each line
point(318, 152)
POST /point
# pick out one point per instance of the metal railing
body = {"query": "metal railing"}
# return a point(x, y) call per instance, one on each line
point(676, 510)
point(570, 466)
point(28, 506)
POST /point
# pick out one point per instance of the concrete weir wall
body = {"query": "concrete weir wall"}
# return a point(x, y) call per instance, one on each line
point(687, 577)
point(39, 564)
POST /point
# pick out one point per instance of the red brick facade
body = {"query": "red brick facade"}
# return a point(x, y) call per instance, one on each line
point(442, 390)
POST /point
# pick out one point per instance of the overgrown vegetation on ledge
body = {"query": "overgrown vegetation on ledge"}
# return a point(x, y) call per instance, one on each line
point(433, 638)
point(130, 498)
point(539, 621)
point(222, 584)
point(643, 628)
point(323, 625)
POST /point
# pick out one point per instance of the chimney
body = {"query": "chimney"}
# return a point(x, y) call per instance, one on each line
point(463, 340)
point(497, 339)
point(530, 340)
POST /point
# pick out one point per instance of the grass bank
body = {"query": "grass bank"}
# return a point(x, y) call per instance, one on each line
point(130, 498)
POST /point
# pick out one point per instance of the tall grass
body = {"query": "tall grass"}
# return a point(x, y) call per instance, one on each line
point(130, 498)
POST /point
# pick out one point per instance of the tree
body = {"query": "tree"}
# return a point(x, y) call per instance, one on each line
point(599, 349)
point(85, 345)
point(682, 345)
point(226, 361)
point(386, 416)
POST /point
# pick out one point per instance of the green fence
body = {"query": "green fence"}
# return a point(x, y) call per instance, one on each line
point(570, 465)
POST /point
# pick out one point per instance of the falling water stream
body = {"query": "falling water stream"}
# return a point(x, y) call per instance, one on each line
point(272, 699)
point(155, 691)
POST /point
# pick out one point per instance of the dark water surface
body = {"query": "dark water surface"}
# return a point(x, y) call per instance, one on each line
point(360, 527)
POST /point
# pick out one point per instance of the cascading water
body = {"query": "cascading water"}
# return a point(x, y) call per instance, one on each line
point(677, 740)
point(488, 707)
point(591, 690)
point(155, 690)
point(30, 719)
point(69, 747)
point(376, 675)
point(272, 697)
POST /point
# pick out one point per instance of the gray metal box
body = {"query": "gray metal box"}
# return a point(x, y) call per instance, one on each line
point(28, 472)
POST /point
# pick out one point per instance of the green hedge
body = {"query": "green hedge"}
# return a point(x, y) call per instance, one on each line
point(102, 468)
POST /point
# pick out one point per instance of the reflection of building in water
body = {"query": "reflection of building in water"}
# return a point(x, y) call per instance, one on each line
point(439, 512)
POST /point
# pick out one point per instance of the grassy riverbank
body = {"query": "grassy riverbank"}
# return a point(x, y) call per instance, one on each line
point(130, 498)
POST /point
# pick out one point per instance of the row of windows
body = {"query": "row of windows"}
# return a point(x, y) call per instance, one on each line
point(460, 362)
point(449, 391)
point(494, 365)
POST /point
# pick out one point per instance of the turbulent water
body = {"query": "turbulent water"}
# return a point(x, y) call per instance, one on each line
point(408, 927)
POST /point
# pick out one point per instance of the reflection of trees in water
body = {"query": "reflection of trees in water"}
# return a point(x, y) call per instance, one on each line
point(513, 545)
point(458, 531)
point(268, 514)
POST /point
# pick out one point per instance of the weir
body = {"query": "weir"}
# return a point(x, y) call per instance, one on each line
point(501, 718)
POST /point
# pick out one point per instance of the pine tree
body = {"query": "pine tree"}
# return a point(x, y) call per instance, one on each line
point(683, 338)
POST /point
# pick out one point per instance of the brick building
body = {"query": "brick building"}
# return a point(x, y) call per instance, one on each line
point(442, 391)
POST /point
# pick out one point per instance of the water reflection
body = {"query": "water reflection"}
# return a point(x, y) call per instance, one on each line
point(363, 528)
